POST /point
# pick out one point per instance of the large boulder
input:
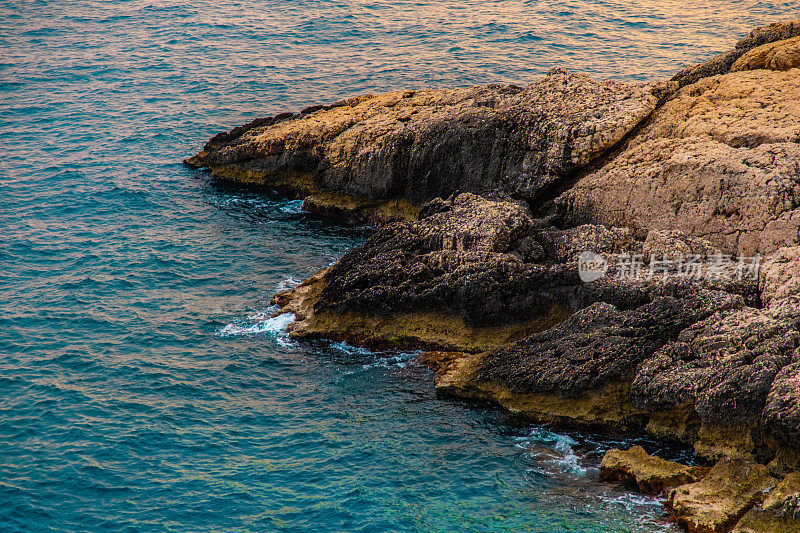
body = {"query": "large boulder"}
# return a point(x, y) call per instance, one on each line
point(778, 513)
point(714, 505)
point(431, 143)
point(650, 474)
point(719, 161)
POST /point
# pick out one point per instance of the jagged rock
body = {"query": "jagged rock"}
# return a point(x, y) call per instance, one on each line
point(778, 513)
point(467, 275)
point(597, 345)
point(780, 284)
point(420, 145)
point(650, 474)
point(780, 55)
point(722, 63)
point(781, 416)
point(720, 161)
point(466, 259)
point(723, 367)
point(724, 495)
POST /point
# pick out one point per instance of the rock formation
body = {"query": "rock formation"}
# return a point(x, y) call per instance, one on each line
point(649, 474)
point(420, 145)
point(506, 198)
point(725, 494)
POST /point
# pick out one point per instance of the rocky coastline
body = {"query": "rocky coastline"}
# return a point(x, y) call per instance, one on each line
point(489, 199)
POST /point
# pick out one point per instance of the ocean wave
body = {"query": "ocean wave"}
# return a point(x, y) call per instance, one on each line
point(262, 323)
point(551, 453)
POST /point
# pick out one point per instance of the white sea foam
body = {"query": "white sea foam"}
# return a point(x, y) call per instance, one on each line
point(562, 460)
point(287, 283)
point(378, 359)
point(262, 323)
point(292, 207)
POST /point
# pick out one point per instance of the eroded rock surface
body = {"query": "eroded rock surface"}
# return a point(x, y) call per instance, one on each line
point(648, 473)
point(720, 161)
point(420, 145)
point(778, 513)
point(781, 416)
point(723, 366)
point(724, 495)
point(599, 344)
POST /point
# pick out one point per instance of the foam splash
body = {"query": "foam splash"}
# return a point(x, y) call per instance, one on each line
point(376, 359)
point(552, 453)
point(287, 283)
point(291, 207)
point(262, 323)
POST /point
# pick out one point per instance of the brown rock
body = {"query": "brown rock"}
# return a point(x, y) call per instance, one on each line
point(779, 55)
point(778, 513)
point(730, 489)
point(780, 283)
point(650, 474)
point(720, 161)
point(419, 145)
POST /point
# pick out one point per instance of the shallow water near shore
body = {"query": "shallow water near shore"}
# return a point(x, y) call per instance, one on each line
point(144, 385)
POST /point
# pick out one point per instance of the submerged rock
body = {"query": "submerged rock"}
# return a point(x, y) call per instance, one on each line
point(721, 498)
point(420, 145)
point(648, 473)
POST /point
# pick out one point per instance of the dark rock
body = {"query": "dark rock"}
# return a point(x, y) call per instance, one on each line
point(598, 344)
point(781, 416)
point(723, 365)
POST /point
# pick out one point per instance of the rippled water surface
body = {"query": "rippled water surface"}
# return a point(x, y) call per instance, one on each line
point(143, 386)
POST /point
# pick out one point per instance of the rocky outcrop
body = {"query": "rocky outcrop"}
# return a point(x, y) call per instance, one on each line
point(724, 367)
point(554, 269)
point(420, 145)
point(724, 495)
point(757, 39)
point(719, 161)
point(460, 277)
point(778, 513)
point(650, 474)
point(779, 55)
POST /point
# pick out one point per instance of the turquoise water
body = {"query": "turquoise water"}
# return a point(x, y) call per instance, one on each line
point(143, 386)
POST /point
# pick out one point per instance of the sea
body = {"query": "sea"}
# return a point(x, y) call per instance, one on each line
point(145, 385)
